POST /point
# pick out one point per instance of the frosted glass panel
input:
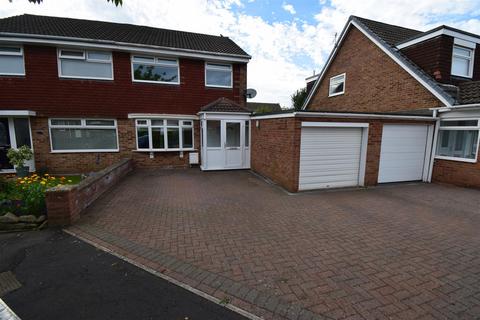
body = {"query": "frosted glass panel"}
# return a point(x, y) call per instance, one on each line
point(213, 134)
point(233, 134)
point(81, 68)
point(84, 139)
point(11, 65)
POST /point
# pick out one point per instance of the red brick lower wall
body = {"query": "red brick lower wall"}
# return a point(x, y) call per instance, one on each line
point(66, 203)
point(462, 174)
point(94, 161)
point(276, 148)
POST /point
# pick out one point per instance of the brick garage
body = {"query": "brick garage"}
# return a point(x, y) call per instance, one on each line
point(94, 161)
point(276, 146)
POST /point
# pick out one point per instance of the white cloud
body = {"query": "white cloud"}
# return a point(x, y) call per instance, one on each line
point(276, 69)
point(289, 8)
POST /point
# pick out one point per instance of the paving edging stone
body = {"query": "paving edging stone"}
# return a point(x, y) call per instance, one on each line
point(266, 305)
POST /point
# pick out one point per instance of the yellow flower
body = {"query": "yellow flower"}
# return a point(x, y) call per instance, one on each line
point(42, 183)
point(22, 181)
point(70, 181)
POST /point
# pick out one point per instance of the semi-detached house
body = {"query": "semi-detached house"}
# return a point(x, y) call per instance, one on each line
point(84, 94)
point(391, 104)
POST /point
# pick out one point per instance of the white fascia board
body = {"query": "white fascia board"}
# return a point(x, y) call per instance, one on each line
point(120, 46)
point(161, 116)
point(458, 107)
point(385, 50)
point(22, 113)
point(327, 64)
point(342, 115)
point(403, 65)
point(334, 124)
point(274, 116)
point(443, 31)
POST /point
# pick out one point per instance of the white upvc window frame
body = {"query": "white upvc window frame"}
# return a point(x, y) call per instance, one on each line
point(155, 62)
point(211, 65)
point(83, 125)
point(148, 125)
point(20, 53)
point(84, 57)
point(471, 59)
point(335, 79)
point(459, 128)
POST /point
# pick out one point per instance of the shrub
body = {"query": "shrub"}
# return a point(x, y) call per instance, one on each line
point(17, 157)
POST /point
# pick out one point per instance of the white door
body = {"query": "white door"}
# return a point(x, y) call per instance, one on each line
point(403, 153)
point(330, 157)
point(233, 144)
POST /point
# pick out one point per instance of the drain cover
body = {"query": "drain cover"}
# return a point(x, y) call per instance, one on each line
point(8, 283)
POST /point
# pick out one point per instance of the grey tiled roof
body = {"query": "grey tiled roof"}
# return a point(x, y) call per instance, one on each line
point(385, 38)
point(391, 34)
point(90, 30)
point(224, 105)
point(469, 92)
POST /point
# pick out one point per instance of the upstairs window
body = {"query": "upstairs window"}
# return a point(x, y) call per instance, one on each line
point(11, 61)
point(84, 64)
point(458, 140)
point(218, 75)
point(337, 85)
point(462, 61)
point(164, 134)
point(154, 69)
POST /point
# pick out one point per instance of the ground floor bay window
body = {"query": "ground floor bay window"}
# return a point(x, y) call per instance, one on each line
point(458, 140)
point(14, 133)
point(164, 135)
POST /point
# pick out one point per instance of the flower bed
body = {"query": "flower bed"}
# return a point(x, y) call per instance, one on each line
point(22, 200)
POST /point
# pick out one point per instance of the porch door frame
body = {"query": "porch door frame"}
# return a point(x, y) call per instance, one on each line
point(218, 155)
point(13, 140)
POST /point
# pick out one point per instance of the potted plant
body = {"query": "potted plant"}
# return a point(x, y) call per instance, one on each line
point(18, 157)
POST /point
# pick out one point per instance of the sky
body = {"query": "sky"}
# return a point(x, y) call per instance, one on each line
point(288, 40)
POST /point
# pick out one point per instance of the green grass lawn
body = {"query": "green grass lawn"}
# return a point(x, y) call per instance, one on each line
point(75, 179)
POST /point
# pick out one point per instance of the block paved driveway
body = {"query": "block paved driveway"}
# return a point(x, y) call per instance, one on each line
point(409, 251)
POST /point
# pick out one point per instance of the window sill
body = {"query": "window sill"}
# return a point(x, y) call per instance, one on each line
point(336, 94)
point(12, 74)
point(164, 150)
point(456, 159)
point(86, 151)
point(85, 78)
point(156, 82)
point(218, 87)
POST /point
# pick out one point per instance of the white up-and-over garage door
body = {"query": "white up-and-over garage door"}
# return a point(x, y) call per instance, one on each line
point(404, 153)
point(330, 156)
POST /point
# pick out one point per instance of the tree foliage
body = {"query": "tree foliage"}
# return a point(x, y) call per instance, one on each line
point(298, 98)
point(116, 2)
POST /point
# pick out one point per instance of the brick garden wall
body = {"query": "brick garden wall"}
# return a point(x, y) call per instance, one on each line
point(94, 161)
point(374, 82)
point(463, 174)
point(276, 148)
point(66, 203)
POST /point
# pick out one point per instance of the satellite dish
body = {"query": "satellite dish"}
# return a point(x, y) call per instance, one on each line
point(250, 93)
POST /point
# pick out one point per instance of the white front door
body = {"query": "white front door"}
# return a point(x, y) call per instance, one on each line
point(14, 133)
point(232, 143)
point(225, 144)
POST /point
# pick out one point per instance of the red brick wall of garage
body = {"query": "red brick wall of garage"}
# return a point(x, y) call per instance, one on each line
point(41, 90)
point(276, 148)
point(374, 82)
point(94, 161)
point(463, 174)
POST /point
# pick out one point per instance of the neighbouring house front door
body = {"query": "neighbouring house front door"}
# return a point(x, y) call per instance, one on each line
point(4, 144)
